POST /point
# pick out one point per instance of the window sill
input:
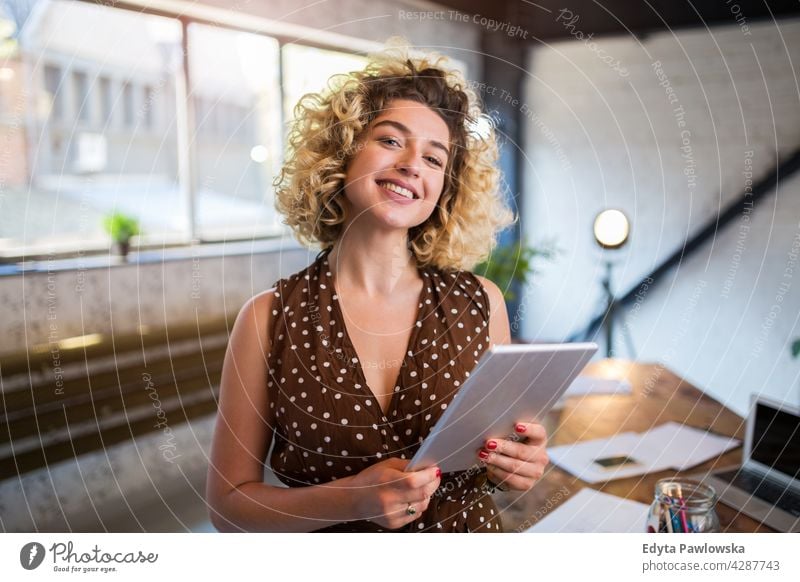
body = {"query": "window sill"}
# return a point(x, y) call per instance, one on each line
point(153, 256)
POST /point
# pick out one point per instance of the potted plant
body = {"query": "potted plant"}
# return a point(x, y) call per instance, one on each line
point(121, 227)
point(514, 263)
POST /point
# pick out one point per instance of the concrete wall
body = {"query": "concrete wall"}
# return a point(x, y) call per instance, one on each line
point(670, 129)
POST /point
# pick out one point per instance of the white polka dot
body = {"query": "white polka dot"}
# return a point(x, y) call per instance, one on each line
point(344, 421)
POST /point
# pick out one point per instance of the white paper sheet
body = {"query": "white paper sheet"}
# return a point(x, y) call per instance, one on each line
point(684, 447)
point(667, 446)
point(590, 511)
point(590, 385)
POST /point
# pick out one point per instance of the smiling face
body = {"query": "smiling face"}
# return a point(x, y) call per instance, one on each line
point(397, 177)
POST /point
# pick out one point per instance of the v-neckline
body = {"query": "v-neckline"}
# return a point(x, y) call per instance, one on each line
point(349, 342)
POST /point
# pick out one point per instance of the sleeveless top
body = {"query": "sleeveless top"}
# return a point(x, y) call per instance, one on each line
point(328, 423)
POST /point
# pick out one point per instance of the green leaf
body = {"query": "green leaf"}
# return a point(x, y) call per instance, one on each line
point(121, 227)
point(514, 263)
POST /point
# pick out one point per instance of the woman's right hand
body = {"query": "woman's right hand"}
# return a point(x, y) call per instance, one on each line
point(384, 491)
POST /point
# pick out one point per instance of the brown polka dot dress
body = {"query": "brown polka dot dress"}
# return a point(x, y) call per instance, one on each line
point(327, 422)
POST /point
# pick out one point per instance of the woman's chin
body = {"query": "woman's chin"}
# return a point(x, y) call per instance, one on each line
point(390, 218)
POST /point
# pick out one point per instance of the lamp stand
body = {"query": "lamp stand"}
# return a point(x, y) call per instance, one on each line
point(609, 317)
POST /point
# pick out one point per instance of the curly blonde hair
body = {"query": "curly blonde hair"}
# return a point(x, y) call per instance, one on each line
point(324, 136)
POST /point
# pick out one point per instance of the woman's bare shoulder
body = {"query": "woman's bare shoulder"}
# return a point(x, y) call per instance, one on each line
point(255, 320)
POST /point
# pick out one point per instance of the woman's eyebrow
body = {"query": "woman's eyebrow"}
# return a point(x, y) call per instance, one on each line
point(399, 126)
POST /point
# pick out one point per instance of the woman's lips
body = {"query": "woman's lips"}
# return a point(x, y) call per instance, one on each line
point(399, 198)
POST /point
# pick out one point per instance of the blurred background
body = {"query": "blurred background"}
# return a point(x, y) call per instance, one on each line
point(139, 141)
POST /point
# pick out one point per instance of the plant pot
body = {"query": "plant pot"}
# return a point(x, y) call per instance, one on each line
point(122, 248)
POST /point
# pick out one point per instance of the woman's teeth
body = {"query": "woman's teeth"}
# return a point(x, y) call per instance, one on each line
point(397, 189)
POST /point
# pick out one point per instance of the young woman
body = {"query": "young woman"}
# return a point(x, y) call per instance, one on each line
point(349, 363)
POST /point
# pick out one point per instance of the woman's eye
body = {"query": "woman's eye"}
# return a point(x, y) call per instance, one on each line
point(435, 161)
point(389, 140)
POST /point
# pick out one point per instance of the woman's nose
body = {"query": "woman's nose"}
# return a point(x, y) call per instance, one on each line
point(408, 163)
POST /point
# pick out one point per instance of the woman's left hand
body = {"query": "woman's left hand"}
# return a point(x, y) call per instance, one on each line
point(517, 464)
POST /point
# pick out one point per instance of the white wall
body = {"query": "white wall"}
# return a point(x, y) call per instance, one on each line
point(600, 136)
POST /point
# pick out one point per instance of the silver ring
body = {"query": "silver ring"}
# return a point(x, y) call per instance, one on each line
point(411, 510)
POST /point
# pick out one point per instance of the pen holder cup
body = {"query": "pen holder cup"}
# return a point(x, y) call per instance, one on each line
point(683, 506)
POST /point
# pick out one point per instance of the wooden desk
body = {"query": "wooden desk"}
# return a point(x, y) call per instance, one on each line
point(658, 396)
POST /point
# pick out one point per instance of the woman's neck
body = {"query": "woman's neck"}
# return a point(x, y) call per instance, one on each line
point(374, 264)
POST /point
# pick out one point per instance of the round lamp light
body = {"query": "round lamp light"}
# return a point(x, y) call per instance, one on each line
point(611, 229)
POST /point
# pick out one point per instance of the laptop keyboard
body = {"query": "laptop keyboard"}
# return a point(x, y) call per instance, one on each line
point(777, 495)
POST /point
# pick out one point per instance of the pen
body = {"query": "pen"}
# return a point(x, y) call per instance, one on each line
point(675, 522)
point(667, 513)
point(682, 511)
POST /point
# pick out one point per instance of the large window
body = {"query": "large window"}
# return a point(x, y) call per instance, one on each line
point(100, 123)
point(238, 142)
point(79, 164)
point(308, 69)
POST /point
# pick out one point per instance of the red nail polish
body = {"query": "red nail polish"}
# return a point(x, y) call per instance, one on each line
point(438, 472)
point(520, 428)
point(491, 445)
point(483, 455)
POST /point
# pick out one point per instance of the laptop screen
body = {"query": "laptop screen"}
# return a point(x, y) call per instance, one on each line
point(776, 440)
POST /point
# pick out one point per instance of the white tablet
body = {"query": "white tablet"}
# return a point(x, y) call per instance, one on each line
point(511, 383)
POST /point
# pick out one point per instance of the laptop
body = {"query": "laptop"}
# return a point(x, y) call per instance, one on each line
point(767, 485)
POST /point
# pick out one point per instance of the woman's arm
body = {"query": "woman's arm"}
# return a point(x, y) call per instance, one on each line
point(237, 497)
point(499, 328)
